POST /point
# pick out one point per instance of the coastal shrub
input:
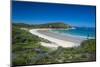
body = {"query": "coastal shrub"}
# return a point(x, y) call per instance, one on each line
point(89, 45)
point(27, 49)
point(25, 46)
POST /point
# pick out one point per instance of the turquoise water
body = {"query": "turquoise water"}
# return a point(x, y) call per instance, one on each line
point(78, 32)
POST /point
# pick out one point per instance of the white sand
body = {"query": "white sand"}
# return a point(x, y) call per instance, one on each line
point(56, 42)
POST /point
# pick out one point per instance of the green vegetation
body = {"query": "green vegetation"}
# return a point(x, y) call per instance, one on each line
point(27, 49)
point(25, 46)
point(89, 46)
point(47, 25)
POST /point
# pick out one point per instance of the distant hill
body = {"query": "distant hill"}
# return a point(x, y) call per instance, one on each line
point(47, 25)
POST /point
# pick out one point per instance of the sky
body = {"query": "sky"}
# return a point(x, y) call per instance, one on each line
point(40, 13)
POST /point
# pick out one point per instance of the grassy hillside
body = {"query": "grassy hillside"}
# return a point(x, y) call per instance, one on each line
point(27, 49)
point(25, 46)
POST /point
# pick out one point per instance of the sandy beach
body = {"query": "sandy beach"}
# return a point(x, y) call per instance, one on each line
point(56, 39)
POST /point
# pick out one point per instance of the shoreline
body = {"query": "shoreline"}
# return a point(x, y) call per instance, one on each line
point(56, 39)
point(71, 35)
point(74, 36)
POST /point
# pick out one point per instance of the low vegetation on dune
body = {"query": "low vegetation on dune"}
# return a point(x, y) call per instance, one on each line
point(27, 49)
point(25, 46)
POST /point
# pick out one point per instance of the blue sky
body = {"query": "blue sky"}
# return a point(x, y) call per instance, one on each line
point(39, 13)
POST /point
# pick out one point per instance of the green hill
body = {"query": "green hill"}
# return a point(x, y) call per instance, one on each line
point(47, 25)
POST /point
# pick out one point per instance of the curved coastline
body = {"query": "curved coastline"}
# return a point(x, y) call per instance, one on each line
point(56, 39)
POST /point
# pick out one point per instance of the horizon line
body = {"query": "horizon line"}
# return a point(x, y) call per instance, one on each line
point(53, 22)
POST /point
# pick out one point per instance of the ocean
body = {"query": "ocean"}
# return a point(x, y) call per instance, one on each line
point(79, 32)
